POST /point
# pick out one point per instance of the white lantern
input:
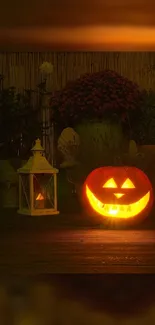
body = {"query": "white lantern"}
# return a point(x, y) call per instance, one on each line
point(37, 185)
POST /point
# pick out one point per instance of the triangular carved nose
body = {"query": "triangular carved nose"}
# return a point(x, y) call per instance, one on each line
point(118, 195)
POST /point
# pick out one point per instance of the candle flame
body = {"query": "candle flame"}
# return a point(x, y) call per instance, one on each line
point(39, 197)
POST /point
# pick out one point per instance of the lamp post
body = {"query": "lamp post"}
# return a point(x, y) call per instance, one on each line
point(38, 185)
point(48, 129)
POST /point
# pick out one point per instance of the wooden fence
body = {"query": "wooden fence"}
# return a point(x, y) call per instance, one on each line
point(21, 69)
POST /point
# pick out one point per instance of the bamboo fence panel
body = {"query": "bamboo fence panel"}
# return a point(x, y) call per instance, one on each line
point(22, 69)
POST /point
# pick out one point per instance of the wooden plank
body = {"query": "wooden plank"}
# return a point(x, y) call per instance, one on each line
point(77, 251)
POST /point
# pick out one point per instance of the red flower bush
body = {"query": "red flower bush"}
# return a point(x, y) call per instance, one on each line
point(95, 96)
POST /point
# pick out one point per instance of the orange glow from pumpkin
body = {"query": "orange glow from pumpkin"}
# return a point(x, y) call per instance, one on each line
point(128, 184)
point(115, 210)
point(110, 184)
point(118, 195)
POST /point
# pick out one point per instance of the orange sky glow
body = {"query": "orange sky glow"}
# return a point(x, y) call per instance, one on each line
point(82, 38)
point(77, 25)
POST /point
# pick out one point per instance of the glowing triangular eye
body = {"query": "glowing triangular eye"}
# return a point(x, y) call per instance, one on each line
point(110, 184)
point(128, 184)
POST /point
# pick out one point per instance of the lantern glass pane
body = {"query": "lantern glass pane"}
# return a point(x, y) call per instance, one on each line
point(25, 192)
point(43, 191)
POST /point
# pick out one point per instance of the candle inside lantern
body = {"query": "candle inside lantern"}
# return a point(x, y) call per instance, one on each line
point(40, 201)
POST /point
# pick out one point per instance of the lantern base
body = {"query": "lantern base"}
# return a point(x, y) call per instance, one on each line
point(38, 212)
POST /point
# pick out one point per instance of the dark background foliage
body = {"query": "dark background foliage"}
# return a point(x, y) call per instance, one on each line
point(104, 94)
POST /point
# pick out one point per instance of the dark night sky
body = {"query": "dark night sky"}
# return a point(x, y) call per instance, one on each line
point(92, 20)
point(77, 12)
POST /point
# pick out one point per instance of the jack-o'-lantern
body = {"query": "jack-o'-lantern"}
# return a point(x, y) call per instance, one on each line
point(121, 194)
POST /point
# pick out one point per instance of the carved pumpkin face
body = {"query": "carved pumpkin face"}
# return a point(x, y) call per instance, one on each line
point(119, 192)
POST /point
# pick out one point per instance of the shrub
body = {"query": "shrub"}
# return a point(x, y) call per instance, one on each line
point(143, 126)
point(99, 95)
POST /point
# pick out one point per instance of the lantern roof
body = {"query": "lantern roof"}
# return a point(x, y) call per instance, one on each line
point(37, 164)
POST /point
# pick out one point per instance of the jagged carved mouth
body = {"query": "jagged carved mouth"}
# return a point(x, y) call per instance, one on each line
point(117, 210)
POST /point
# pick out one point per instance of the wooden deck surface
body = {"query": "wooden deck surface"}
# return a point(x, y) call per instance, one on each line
point(77, 251)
